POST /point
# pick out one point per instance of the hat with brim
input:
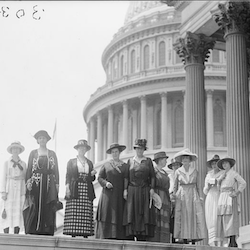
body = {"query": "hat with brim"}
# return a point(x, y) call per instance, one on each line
point(228, 159)
point(140, 143)
point(157, 201)
point(185, 152)
point(174, 163)
point(82, 143)
point(215, 158)
point(115, 145)
point(16, 144)
point(42, 133)
point(160, 155)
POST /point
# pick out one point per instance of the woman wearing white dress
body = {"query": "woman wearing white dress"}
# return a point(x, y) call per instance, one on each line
point(231, 185)
point(212, 192)
point(189, 223)
point(12, 189)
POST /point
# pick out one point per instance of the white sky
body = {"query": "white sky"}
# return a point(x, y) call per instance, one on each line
point(49, 69)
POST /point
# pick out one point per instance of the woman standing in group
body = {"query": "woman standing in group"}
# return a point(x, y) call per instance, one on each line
point(78, 220)
point(111, 203)
point(139, 218)
point(174, 165)
point(162, 229)
point(12, 189)
point(211, 190)
point(231, 185)
point(189, 222)
point(42, 180)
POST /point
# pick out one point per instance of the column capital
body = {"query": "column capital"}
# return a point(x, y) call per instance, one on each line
point(194, 48)
point(125, 102)
point(163, 94)
point(110, 107)
point(233, 17)
point(142, 97)
point(209, 91)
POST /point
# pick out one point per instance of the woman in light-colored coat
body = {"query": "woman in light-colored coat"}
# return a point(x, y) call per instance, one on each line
point(12, 188)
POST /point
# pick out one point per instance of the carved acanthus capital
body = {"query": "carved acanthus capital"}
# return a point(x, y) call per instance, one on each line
point(194, 48)
point(234, 16)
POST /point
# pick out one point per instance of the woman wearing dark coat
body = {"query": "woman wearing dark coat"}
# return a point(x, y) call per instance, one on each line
point(42, 180)
point(78, 219)
point(139, 217)
point(110, 207)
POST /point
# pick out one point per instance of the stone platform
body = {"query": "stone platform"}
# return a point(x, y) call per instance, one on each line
point(30, 242)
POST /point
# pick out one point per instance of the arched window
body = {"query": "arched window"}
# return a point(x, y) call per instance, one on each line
point(146, 57)
point(216, 55)
point(121, 65)
point(162, 54)
point(132, 61)
point(178, 124)
point(219, 127)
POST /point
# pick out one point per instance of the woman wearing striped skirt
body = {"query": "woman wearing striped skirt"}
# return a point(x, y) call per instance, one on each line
point(78, 219)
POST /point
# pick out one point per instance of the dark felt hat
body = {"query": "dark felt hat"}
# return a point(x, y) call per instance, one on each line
point(140, 143)
point(82, 143)
point(115, 145)
point(160, 155)
point(227, 158)
point(42, 133)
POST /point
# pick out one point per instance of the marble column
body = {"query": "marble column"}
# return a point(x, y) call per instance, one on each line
point(99, 136)
point(143, 117)
point(194, 50)
point(110, 125)
point(164, 120)
point(233, 18)
point(210, 119)
point(92, 139)
point(125, 124)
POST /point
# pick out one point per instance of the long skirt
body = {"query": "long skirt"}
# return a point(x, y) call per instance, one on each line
point(78, 220)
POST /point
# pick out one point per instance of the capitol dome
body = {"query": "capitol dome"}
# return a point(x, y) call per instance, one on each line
point(144, 92)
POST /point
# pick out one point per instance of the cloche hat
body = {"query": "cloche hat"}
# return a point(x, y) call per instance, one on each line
point(115, 145)
point(227, 158)
point(140, 143)
point(16, 144)
point(187, 152)
point(42, 133)
point(82, 143)
point(215, 158)
point(174, 162)
point(160, 155)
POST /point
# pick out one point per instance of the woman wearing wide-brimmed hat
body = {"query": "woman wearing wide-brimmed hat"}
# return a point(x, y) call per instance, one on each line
point(174, 165)
point(212, 192)
point(78, 219)
point(231, 185)
point(109, 224)
point(189, 222)
point(139, 217)
point(12, 189)
point(42, 180)
point(162, 214)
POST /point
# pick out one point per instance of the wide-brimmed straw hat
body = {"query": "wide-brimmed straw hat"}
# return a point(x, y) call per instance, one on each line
point(42, 133)
point(160, 155)
point(140, 143)
point(82, 143)
point(185, 152)
point(115, 145)
point(215, 158)
point(174, 162)
point(227, 158)
point(16, 144)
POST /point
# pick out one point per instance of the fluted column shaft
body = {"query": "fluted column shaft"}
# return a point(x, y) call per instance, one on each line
point(234, 20)
point(110, 124)
point(92, 139)
point(164, 121)
point(210, 119)
point(125, 124)
point(238, 137)
point(99, 136)
point(143, 117)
